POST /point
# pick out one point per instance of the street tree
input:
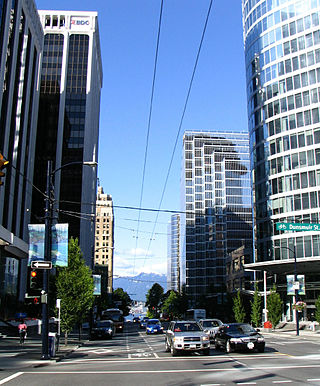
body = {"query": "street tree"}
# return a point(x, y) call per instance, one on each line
point(317, 313)
point(274, 306)
point(256, 308)
point(171, 305)
point(75, 289)
point(154, 298)
point(123, 300)
point(238, 308)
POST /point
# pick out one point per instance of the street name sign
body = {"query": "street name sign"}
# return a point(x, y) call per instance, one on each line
point(41, 264)
point(287, 226)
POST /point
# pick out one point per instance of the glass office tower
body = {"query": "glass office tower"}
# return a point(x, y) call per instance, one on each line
point(282, 53)
point(216, 201)
point(68, 123)
point(173, 263)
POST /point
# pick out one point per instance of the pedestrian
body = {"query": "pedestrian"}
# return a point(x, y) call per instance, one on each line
point(22, 327)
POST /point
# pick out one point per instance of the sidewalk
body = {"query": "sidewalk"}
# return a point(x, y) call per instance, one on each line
point(289, 330)
point(13, 356)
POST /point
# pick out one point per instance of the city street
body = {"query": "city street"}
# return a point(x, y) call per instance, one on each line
point(134, 358)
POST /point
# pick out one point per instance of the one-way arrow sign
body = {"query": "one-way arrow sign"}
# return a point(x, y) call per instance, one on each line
point(41, 264)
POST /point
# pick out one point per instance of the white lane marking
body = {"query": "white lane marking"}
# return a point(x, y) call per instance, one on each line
point(212, 370)
point(313, 380)
point(281, 381)
point(5, 380)
point(246, 383)
point(156, 355)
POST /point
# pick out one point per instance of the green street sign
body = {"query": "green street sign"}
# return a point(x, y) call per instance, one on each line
point(287, 226)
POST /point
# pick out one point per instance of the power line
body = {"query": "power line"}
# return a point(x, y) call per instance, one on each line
point(149, 119)
point(183, 114)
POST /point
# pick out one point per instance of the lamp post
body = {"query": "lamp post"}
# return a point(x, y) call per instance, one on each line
point(49, 198)
point(295, 285)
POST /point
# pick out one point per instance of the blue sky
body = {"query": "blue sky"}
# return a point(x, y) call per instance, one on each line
point(128, 35)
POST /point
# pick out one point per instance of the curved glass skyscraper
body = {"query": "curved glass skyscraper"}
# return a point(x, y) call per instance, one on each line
point(282, 52)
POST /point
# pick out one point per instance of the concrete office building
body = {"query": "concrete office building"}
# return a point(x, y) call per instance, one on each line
point(104, 240)
point(282, 54)
point(216, 196)
point(68, 124)
point(21, 41)
point(173, 261)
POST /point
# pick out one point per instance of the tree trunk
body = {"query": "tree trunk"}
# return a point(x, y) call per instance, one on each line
point(66, 338)
point(80, 330)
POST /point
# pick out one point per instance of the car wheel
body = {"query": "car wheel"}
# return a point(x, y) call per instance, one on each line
point(174, 352)
point(228, 347)
point(206, 351)
point(167, 346)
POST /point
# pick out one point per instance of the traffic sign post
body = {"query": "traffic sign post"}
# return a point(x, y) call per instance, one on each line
point(39, 264)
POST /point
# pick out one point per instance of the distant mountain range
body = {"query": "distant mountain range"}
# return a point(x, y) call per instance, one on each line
point(138, 286)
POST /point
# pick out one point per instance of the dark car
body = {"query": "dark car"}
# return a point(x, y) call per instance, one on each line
point(102, 329)
point(239, 337)
point(186, 336)
point(143, 322)
point(154, 327)
point(136, 319)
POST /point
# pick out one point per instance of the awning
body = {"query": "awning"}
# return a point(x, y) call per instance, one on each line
point(304, 265)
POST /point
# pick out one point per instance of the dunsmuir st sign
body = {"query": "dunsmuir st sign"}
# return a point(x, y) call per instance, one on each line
point(287, 226)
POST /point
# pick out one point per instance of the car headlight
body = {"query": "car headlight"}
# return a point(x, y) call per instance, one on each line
point(235, 340)
point(205, 338)
point(110, 331)
point(178, 339)
point(260, 340)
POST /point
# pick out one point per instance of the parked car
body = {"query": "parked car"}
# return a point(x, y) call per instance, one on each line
point(102, 329)
point(143, 322)
point(154, 327)
point(239, 337)
point(186, 336)
point(211, 327)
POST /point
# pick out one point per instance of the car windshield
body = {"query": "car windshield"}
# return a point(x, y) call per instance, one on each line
point(242, 329)
point(153, 322)
point(210, 323)
point(103, 323)
point(182, 327)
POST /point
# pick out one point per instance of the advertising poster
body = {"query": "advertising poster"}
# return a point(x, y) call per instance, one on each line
point(36, 242)
point(59, 251)
point(59, 244)
point(97, 284)
point(290, 285)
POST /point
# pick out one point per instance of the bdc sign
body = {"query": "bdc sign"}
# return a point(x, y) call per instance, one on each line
point(79, 22)
point(296, 227)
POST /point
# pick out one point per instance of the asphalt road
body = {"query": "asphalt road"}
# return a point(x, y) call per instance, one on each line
point(134, 358)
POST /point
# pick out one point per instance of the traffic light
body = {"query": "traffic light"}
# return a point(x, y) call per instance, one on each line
point(35, 282)
point(3, 164)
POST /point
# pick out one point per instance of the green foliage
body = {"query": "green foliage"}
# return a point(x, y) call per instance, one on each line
point(274, 306)
point(171, 305)
point(154, 298)
point(256, 309)
point(238, 308)
point(123, 299)
point(317, 313)
point(75, 288)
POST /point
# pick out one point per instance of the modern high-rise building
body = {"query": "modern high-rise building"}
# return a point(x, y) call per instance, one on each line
point(282, 56)
point(104, 240)
point(173, 262)
point(21, 40)
point(216, 197)
point(68, 124)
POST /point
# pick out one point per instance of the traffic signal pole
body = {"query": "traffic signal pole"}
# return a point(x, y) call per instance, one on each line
point(47, 257)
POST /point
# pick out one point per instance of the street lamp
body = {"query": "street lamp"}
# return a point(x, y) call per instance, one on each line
point(47, 249)
point(295, 284)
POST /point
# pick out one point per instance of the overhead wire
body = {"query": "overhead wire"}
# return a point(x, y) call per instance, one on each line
point(149, 121)
point(182, 117)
